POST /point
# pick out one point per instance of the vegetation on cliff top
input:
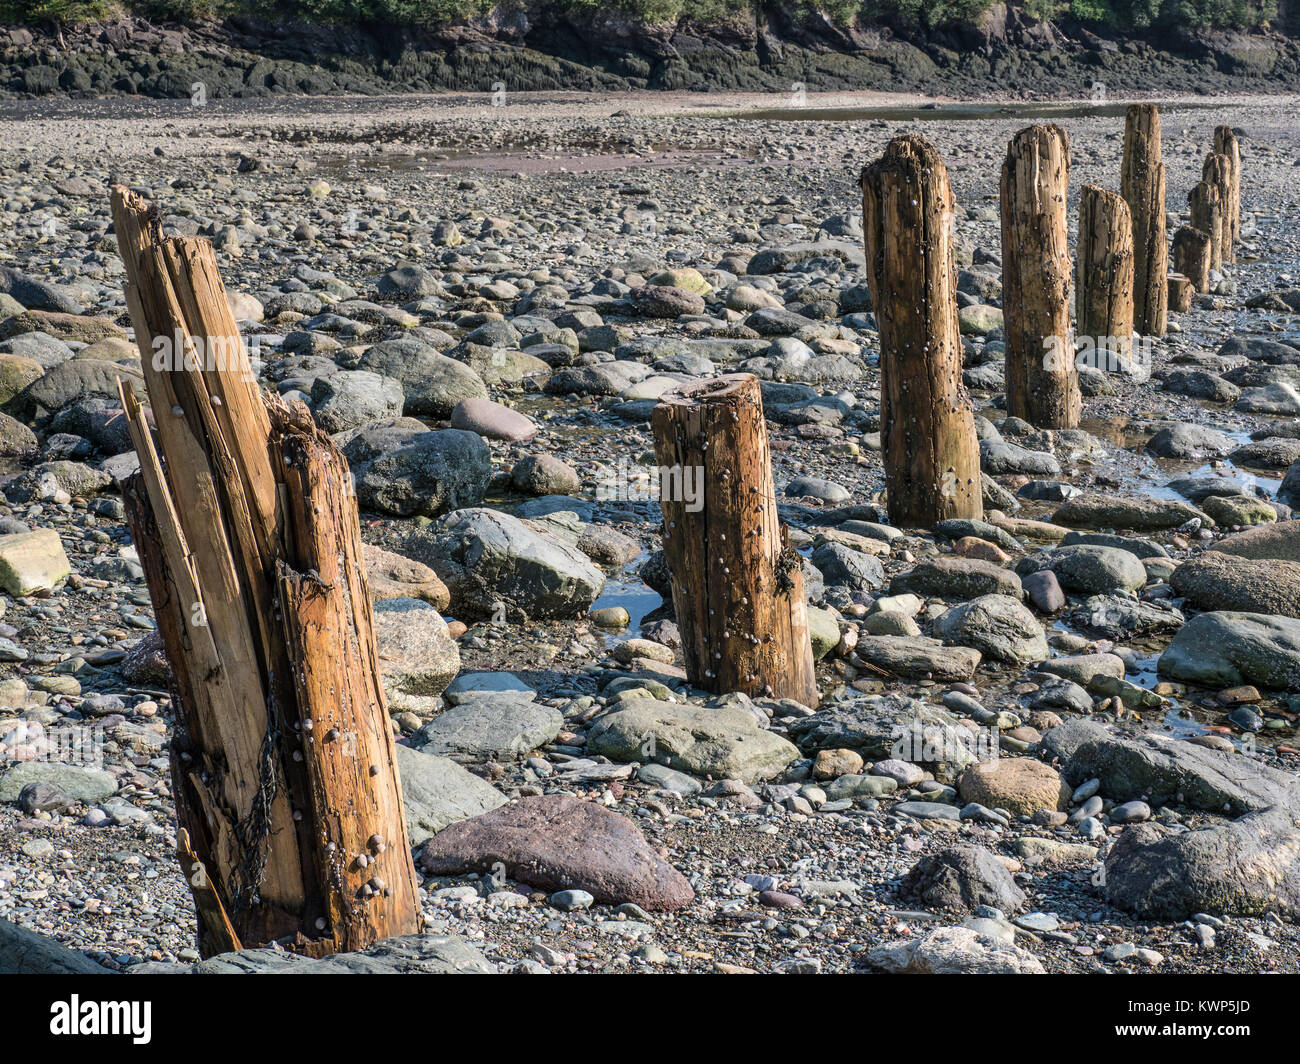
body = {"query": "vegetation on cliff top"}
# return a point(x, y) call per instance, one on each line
point(919, 14)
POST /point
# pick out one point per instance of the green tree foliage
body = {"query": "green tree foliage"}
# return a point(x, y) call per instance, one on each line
point(930, 14)
point(1043, 10)
point(1237, 14)
point(60, 12)
point(1122, 14)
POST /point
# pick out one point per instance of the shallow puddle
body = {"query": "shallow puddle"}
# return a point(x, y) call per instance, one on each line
point(628, 590)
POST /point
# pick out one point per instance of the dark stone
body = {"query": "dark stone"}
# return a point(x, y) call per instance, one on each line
point(777, 899)
point(35, 294)
point(1246, 868)
point(961, 878)
point(957, 578)
point(1060, 743)
point(146, 663)
point(42, 798)
point(1044, 591)
point(1158, 770)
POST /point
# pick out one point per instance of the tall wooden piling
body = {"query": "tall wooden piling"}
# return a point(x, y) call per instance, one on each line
point(1217, 171)
point(737, 584)
point(1142, 184)
point(931, 453)
point(1104, 285)
point(1041, 374)
point(1225, 143)
point(287, 795)
point(1205, 203)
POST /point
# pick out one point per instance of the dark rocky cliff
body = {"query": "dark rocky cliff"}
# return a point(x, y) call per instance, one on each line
point(1004, 53)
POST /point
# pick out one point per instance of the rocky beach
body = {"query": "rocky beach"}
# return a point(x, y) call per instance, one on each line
point(1060, 739)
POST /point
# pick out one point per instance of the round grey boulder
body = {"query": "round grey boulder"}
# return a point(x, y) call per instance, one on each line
point(400, 467)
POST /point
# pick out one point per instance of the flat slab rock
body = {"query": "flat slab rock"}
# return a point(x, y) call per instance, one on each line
point(1159, 770)
point(492, 726)
point(918, 658)
point(24, 952)
point(725, 742)
point(1099, 510)
point(556, 842)
point(470, 685)
point(403, 955)
point(79, 783)
point(436, 792)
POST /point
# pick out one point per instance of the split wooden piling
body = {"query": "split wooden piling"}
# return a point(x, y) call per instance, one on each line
point(283, 763)
point(1205, 203)
point(1226, 144)
point(1217, 171)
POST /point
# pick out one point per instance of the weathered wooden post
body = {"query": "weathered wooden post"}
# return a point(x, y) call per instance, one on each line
point(1042, 375)
point(1142, 184)
point(1217, 171)
point(1205, 202)
point(1180, 293)
point(931, 452)
point(287, 795)
point(1225, 143)
point(737, 584)
point(1104, 287)
point(1192, 256)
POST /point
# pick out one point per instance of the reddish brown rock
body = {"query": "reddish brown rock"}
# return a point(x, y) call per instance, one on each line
point(555, 842)
point(665, 301)
point(974, 547)
point(493, 421)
